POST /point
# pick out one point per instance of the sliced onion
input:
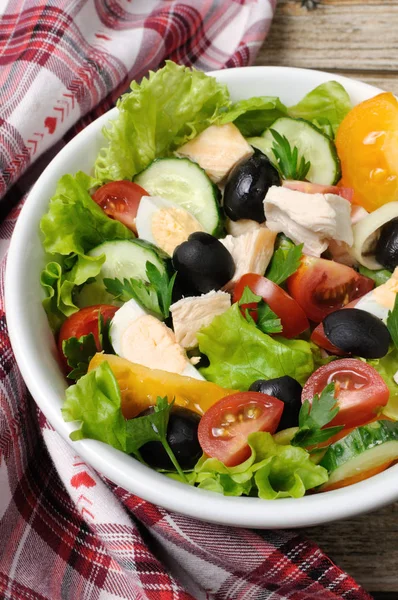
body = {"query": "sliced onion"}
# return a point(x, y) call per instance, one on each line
point(366, 233)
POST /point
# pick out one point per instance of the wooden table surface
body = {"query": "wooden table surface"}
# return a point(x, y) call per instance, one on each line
point(356, 38)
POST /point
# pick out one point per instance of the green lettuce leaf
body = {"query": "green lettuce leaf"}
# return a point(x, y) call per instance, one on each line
point(326, 104)
point(272, 471)
point(73, 225)
point(95, 402)
point(239, 353)
point(160, 114)
point(387, 367)
point(254, 115)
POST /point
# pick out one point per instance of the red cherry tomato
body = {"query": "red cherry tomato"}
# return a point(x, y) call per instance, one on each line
point(359, 390)
point(83, 322)
point(316, 188)
point(224, 428)
point(120, 200)
point(322, 286)
point(319, 338)
point(291, 314)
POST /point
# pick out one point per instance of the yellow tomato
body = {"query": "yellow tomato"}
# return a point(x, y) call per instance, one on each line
point(367, 144)
point(140, 387)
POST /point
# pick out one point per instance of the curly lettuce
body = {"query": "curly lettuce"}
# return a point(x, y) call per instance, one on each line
point(254, 115)
point(387, 367)
point(325, 106)
point(72, 226)
point(239, 353)
point(272, 471)
point(165, 110)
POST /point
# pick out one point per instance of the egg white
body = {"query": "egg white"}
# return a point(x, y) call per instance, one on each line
point(128, 315)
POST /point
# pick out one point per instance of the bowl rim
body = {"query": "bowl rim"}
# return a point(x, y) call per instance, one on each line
point(147, 483)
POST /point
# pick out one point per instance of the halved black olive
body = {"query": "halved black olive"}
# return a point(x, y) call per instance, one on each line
point(203, 263)
point(386, 252)
point(286, 389)
point(357, 332)
point(182, 436)
point(247, 186)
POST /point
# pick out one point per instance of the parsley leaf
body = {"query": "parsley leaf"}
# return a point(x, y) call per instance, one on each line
point(79, 351)
point(163, 286)
point(152, 428)
point(135, 289)
point(314, 416)
point(284, 263)
point(154, 295)
point(249, 297)
point(267, 320)
point(392, 322)
point(288, 163)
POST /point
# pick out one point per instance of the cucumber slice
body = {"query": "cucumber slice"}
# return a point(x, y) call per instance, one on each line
point(124, 259)
point(314, 145)
point(183, 182)
point(363, 450)
point(264, 145)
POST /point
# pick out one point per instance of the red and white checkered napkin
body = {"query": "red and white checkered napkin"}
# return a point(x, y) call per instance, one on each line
point(65, 532)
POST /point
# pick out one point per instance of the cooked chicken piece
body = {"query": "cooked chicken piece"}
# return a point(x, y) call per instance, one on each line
point(251, 252)
point(236, 228)
point(193, 313)
point(217, 150)
point(340, 251)
point(312, 219)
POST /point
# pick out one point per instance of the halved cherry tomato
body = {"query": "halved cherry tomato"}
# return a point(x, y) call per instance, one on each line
point(225, 426)
point(317, 188)
point(83, 322)
point(359, 390)
point(322, 286)
point(319, 338)
point(291, 314)
point(120, 200)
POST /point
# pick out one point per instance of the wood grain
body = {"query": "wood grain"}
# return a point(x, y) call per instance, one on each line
point(356, 38)
point(344, 36)
point(365, 546)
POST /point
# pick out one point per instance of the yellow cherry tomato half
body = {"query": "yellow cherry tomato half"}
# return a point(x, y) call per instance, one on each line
point(367, 144)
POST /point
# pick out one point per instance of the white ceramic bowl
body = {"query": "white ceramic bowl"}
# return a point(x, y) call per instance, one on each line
point(35, 349)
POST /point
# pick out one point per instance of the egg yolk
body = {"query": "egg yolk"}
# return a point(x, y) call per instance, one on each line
point(172, 226)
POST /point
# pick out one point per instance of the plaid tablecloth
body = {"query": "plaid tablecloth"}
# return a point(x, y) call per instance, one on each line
point(65, 532)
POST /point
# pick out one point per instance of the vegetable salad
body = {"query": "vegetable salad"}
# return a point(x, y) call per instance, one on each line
point(223, 286)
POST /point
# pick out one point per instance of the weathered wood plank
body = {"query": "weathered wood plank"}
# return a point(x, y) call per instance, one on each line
point(365, 546)
point(340, 35)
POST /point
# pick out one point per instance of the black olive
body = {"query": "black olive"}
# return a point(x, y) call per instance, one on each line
point(203, 263)
point(357, 332)
point(182, 436)
point(286, 389)
point(247, 186)
point(387, 245)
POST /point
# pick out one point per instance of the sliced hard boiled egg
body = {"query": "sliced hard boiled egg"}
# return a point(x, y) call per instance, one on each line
point(165, 224)
point(144, 340)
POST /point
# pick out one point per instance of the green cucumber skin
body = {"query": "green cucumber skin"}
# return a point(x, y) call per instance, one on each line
point(331, 145)
point(358, 441)
point(219, 229)
point(94, 292)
